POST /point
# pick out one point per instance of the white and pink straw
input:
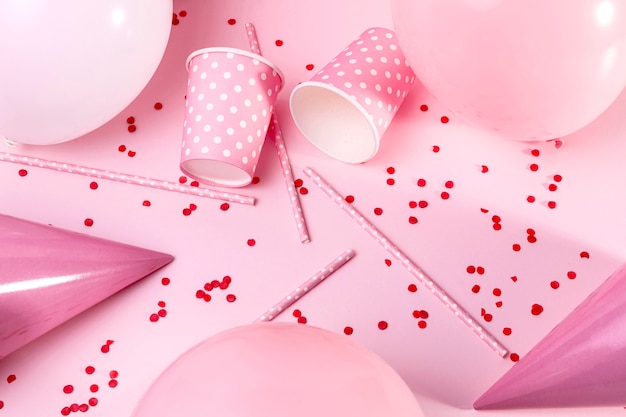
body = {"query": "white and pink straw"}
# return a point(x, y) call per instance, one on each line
point(127, 178)
point(415, 270)
point(279, 142)
point(308, 285)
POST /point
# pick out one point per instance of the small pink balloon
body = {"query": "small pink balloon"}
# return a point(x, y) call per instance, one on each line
point(280, 370)
point(531, 70)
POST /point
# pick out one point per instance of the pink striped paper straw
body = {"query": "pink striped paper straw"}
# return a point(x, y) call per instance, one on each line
point(279, 142)
point(308, 285)
point(127, 178)
point(415, 270)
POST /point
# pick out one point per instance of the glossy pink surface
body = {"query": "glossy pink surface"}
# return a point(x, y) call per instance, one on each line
point(49, 275)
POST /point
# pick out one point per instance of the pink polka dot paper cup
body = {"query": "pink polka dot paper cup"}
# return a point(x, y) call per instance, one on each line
point(345, 109)
point(230, 98)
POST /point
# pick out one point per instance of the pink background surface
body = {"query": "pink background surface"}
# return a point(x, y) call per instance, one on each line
point(258, 247)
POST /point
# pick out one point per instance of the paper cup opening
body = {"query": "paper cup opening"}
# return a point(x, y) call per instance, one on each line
point(216, 172)
point(334, 122)
point(225, 50)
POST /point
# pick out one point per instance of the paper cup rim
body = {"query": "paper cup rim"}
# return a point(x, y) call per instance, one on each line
point(213, 181)
point(351, 100)
point(237, 51)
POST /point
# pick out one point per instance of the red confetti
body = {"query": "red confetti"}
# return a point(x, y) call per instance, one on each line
point(93, 401)
point(105, 349)
point(310, 67)
point(158, 105)
point(94, 388)
point(557, 178)
point(90, 370)
point(388, 262)
point(154, 317)
point(391, 181)
point(231, 298)
point(413, 219)
point(197, 184)
point(422, 324)
point(499, 304)
point(530, 199)
point(348, 330)
point(182, 13)
point(378, 211)
point(496, 219)
point(480, 270)
point(507, 331)
point(444, 119)
point(449, 184)
point(224, 206)
point(302, 320)
point(535, 152)
point(165, 281)
point(232, 21)
point(304, 190)
point(65, 411)
point(484, 168)
point(516, 247)
point(514, 278)
point(298, 182)
point(182, 179)
point(536, 309)
point(497, 226)
point(531, 238)
point(146, 203)
point(297, 313)
point(68, 389)
point(130, 120)
point(551, 204)
point(421, 182)
point(193, 207)
point(422, 204)
point(113, 383)
point(412, 204)
point(412, 288)
point(571, 274)
point(476, 289)
point(255, 180)
point(93, 185)
point(584, 254)
point(122, 148)
point(488, 317)
point(349, 199)
point(436, 148)
point(114, 374)
point(552, 187)
point(555, 284)
point(470, 269)
point(424, 107)
point(132, 153)
point(279, 42)
point(391, 170)
point(445, 195)
point(497, 292)
point(88, 222)
point(186, 211)
point(534, 167)
point(22, 173)
point(251, 242)
point(132, 128)
point(382, 325)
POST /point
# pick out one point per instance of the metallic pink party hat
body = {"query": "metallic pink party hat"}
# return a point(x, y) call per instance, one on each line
point(49, 275)
point(580, 363)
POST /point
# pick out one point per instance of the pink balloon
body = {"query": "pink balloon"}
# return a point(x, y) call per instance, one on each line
point(69, 67)
point(280, 370)
point(531, 70)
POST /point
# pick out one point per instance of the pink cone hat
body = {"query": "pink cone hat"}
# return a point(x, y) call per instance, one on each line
point(49, 275)
point(580, 363)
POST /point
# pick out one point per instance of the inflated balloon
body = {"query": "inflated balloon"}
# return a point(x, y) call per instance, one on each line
point(532, 70)
point(279, 370)
point(69, 67)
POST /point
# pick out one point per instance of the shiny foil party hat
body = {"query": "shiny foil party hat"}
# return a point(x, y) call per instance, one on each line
point(49, 275)
point(580, 363)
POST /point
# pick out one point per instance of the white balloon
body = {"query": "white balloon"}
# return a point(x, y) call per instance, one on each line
point(68, 67)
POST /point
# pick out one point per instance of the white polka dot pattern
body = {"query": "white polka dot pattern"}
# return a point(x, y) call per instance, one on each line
point(372, 73)
point(230, 98)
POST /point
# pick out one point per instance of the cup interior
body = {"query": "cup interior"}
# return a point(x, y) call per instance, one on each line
point(334, 122)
